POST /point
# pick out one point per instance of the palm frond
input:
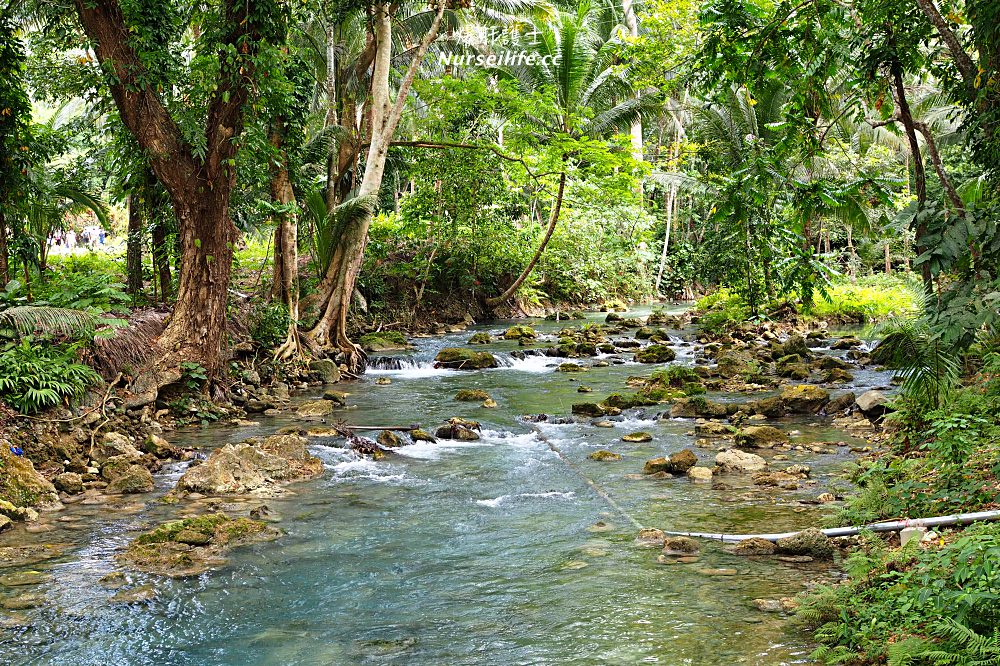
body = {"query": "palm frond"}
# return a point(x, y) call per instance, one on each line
point(28, 320)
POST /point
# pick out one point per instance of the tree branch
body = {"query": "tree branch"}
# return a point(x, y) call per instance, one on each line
point(962, 59)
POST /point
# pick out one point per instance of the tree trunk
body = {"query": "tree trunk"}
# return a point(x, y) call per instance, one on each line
point(337, 286)
point(553, 219)
point(852, 255)
point(199, 185)
point(161, 259)
point(669, 204)
point(133, 248)
point(888, 258)
point(919, 177)
point(286, 257)
point(4, 252)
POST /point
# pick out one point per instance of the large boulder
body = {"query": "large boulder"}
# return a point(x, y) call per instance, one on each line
point(677, 463)
point(134, 479)
point(804, 398)
point(698, 406)
point(316, 408)
point(458, 358)
point(327, 371)
point(873, 404)
point(248, 467)
point(795, 344)
point(772, 408)
point(519, 333)
point(70, 483)
point(115, 444)
point(841, 403)
point(734, 461)
point(760, 437)
point(811, 542)
point(735, 363)
point(20, 483)
point(655, 354)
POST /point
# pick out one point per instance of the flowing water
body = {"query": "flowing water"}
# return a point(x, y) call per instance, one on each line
point(486, 552)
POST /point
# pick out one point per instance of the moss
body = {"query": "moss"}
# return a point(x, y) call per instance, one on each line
point(206, 524)
point(383, 340)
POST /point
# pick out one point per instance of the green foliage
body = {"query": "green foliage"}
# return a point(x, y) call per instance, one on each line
point(913, 606)
point(36, 375)
point(193, 375)
point(268, 323)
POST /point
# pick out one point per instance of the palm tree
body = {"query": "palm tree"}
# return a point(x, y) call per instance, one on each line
point(590, 96)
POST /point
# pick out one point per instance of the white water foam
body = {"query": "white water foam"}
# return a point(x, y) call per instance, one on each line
point(347, 465)
point(503, 499)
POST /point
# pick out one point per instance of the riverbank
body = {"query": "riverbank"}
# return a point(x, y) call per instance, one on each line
point(507, 503)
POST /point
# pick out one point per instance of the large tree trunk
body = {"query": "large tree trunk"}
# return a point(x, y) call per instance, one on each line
point(286, 257)
point(133, 247)
point(199, 186)
point(553, 220)
point(337, 286)
point(668, 201)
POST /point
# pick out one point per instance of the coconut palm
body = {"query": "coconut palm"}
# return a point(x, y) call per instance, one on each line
point(590, 94)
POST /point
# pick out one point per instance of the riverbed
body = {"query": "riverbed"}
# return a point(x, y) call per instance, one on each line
point(488, 552)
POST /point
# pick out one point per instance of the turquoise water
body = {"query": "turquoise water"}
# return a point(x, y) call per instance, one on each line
point(488, 552)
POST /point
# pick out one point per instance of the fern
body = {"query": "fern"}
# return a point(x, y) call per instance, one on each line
point(28, 320)
point(961, 646)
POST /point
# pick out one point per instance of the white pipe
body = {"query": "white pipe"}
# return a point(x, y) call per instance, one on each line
point(892, 526)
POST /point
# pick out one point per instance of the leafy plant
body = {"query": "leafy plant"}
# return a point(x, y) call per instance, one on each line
point(37, 375)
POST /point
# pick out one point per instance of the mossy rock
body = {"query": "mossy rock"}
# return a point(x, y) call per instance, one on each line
point(383, 341)
point(457, 358)
point(481, 338)
point(804, 398)
point(760, 437)
point(571, 367)
point(591, 409)
point(603, 455)
point(655, 354)
point(696, 406)
point(419, 435)
point(519, 333)
point(472, 395)
point(390, 440)
point(20, 484)
point(191, 546)
point(637, 437)
point(837, 376)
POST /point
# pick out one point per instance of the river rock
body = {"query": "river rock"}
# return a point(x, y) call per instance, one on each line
point(480, 338)
point(714, 429)
point(841, 403)
point(316, 408)
point(458, 358)
point(338, 398)
point(252, 468)
point(837, 376)
point(873, 404)
point(138, 595)
point(795, 345)
point(134, 479)
point(591, 409)
point(700, 474)
point(390, 440)
point(637, 437)
point(697, 406)
point(571, 367)
point(460, 429)
point(655, 354)
point(680, 545)
point(20, 483)
point(848, 342)
point(115, 444)
point(754, 547)
point(804, 398)
point(734, 461)
point(760, 437)
point(159, 447)
point(5, 523)
point(810, 542)
point(472, 395)
point(419, 435)
point(650, 537)
point(69, 482)
point(519, 333)
point(735, 363)
point(326, 370)
point(604, 455)
point(191, 546)
point(772, 408)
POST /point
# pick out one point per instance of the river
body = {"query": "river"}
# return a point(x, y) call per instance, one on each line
point(486, 552)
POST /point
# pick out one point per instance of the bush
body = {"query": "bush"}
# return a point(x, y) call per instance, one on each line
point(894, 605)
point(869, 299)
point(35, 376)
point(268, 323)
